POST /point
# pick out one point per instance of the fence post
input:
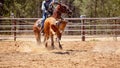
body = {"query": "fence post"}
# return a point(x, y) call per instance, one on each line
point(14, 24)
point(115, 38)
point(14, 30)
point(83, 27)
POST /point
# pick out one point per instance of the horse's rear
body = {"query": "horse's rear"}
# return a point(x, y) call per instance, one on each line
point(37, 31)
point(50, 29)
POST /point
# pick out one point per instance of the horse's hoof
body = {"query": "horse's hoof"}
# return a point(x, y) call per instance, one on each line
point(52, 48)
point(46, 46)
point(38, 43)
point(60, 47)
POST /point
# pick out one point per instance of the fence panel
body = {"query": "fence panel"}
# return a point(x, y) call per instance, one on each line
point(80, 27)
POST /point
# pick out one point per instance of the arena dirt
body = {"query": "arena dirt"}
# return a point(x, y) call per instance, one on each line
point(91, 54)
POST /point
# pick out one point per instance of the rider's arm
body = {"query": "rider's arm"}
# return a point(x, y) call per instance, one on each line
point(52, 2)
point(43, 6)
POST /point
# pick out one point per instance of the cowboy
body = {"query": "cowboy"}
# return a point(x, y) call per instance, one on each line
point(47, 10)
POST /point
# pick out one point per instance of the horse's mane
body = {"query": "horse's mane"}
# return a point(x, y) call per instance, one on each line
point(60, 8)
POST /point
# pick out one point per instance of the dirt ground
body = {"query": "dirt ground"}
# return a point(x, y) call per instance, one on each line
point(75, 54)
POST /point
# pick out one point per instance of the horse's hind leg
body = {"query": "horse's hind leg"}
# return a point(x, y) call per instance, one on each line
point(60, 46)
point(56, 30)
point(38, 37)
point(37, 34)
point(46, 40)
point(52, 42)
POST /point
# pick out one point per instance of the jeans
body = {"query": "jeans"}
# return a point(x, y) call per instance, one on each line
point(44, 16)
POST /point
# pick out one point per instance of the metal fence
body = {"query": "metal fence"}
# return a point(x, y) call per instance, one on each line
point(80, 27)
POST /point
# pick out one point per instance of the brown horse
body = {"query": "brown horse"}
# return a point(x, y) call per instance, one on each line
point(61, 26)
point(50, 27)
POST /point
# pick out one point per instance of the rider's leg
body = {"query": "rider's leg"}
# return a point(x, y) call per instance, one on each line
point(43, 20)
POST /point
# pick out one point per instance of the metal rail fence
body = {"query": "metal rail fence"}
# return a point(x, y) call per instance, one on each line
point(82, 27)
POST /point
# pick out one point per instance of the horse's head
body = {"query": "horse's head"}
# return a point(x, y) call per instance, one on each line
point(64, 9)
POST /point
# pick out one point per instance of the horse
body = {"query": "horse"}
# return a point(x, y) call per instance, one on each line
point(50, 27)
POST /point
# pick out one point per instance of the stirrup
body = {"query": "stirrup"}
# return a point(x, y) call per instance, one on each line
point(39, 24)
